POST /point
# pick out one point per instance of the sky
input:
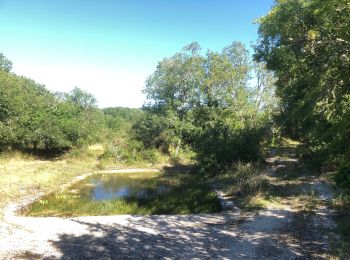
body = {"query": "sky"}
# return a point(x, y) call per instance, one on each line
point(110, 47)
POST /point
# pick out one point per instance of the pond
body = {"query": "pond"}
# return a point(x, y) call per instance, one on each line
point(130, 193)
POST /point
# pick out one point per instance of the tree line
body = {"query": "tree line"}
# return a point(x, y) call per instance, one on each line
point(32, 117)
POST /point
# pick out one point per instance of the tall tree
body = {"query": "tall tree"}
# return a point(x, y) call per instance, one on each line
point(171, 90)
point(205, 101)
point(307, 44)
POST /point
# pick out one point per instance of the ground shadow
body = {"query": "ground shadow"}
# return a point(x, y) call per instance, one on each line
point(180, 237)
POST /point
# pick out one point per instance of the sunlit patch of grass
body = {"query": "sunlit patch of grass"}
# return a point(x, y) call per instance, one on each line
point(96, 147)
point(24, 175)
point(260, 201)
point(285, 142)
point(306, 202)
point(188, 193)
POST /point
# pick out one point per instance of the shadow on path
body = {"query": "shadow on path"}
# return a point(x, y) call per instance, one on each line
point(177, 237)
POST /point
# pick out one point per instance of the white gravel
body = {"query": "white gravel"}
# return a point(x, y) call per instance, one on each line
point(204, 236)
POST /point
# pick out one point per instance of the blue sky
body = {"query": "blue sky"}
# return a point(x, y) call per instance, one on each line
point(110, 47)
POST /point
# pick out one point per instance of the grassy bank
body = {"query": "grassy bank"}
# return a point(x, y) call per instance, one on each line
point(22, 174)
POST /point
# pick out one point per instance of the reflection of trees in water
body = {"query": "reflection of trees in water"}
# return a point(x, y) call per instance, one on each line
point(143, 187)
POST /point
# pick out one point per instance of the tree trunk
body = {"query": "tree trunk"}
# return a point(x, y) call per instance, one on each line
point(177, 147)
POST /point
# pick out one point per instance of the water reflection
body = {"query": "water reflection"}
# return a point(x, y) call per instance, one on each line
point(117, 187)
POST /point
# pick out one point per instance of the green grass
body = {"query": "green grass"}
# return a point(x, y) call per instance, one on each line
point(188, 193)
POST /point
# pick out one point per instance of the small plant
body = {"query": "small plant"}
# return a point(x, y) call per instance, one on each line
point(342, 177)
point(248, 179)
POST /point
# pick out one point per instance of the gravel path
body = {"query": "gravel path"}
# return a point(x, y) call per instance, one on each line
point(218, 236)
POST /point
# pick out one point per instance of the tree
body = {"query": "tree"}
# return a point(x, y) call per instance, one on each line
point(5, 64)
point(230, 123)
point(171, 91)
point(206, 101)
point(307, 45)
point(82, 99)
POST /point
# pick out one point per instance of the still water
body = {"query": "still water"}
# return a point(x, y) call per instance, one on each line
point(119, 186)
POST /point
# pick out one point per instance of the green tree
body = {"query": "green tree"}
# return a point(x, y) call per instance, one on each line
point(307, 45)
point(170, 94)
point(207, 101)
point(82, 99)
point(5, 64)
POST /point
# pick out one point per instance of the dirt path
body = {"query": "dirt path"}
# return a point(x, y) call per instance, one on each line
point(283, 232)
point(310, 229)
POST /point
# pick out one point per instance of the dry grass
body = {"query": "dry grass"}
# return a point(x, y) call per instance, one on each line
point(23, 175)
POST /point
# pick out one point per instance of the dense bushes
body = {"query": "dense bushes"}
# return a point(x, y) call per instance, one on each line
point(120, 119)
point(343, 176)
point(219, 146)
point(130, 151)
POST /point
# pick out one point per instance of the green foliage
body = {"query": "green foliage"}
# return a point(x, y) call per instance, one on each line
point(120, 120)
point(306, 44)
point(158, 131)
point(342, 177)
point(33, 117)
point(82, 99)
point(220, 145)
point(208, 102)
point(129, 151)
point(5, 64)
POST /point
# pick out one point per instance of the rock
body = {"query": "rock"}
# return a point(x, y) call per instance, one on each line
point(236, 209)
point(227, 205)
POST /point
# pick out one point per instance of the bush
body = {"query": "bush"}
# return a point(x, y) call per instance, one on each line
point(129, 151)
point(342, 176)
point(248, 178)
point(218, 147)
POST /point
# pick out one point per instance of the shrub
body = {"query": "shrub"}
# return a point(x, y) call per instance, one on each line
point(129, 151)
point(342, 176)
point(221, 145)
point(248, 178)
